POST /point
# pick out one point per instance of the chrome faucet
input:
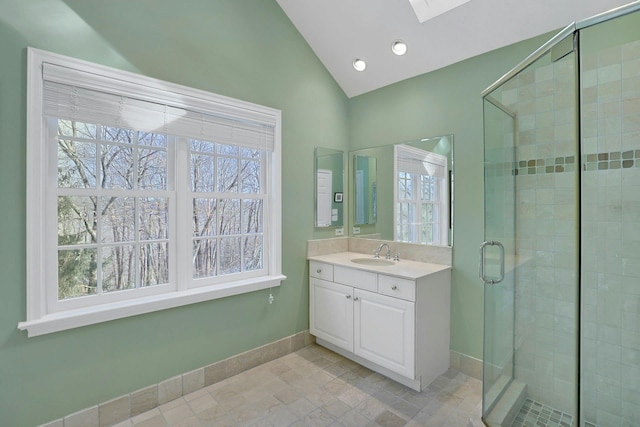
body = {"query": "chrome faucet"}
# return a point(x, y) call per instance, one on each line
point(388, 256)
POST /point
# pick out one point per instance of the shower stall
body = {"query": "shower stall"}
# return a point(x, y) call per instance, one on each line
point(561, 257)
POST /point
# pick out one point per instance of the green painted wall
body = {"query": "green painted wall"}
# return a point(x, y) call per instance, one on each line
point(438, 103)
point(246, 49)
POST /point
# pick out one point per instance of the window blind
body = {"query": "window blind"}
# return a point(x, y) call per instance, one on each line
point(152, 109)
point(413, 160)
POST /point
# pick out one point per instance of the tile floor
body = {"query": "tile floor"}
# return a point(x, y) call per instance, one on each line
point(316, 387)
point(535, 414)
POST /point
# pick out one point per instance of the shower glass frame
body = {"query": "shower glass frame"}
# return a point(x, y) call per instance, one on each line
point(557, 49)
point(512, 167)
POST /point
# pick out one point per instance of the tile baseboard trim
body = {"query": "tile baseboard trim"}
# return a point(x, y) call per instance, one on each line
point(129, 405)
point(466, 364)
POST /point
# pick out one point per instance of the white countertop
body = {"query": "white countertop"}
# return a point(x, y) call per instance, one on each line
point(403, 268)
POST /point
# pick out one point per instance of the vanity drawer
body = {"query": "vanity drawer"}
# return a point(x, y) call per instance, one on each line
point(321, 270)
point(357, 278)
point(397, 287)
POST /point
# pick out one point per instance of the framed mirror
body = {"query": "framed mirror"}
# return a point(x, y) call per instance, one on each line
point(329, 187)
point(413, 192)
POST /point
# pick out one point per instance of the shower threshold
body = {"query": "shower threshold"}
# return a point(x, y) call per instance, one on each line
point(509, 395)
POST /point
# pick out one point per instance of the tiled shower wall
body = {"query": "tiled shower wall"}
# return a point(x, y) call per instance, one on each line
point(546, 288)
point(610, 356)
point(540, 177)
point(543, 97)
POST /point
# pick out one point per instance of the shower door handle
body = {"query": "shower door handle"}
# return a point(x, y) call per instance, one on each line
point(491, 281)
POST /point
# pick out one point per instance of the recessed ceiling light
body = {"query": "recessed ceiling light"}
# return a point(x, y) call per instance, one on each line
point(399, 47)
point(359, 64)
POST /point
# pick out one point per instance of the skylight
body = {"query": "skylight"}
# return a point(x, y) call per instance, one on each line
point(428, 9)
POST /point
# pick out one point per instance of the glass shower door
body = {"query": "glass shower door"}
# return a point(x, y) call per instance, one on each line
point(497, 254)
point(529, 258)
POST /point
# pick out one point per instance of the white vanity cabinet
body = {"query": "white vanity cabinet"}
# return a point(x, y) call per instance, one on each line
point(393, 325)
point(384, 331)
point(331, 312)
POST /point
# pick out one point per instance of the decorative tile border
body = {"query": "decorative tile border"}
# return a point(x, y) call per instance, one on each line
point(143, 400)
point(532, 166)
point(611, 160)
point(590, 162)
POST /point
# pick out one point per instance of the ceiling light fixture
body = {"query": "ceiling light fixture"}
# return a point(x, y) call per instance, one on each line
point(399, 47)
point(359, 64)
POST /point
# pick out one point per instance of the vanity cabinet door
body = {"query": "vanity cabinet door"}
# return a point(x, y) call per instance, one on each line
point(384, 331)
point(331, 312)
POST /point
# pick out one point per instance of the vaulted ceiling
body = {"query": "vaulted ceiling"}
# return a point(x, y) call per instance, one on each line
point(340, 31)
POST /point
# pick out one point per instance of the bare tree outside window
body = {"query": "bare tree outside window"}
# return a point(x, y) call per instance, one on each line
point(228, 200)
point(143, 195)
point(108, 242)
point(418, 212)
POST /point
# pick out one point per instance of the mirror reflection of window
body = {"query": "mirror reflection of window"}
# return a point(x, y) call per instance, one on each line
point(421, 192)
point(381, 193)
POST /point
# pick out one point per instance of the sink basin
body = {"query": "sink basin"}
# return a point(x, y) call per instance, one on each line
point(373, 261)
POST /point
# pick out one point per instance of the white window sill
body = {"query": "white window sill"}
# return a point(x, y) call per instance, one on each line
point(90, 315)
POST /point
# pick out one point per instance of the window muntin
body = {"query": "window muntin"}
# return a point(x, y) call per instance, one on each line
point(420, 189)
point(418, 208)
point(228, 204)
point(113, 208)
point(110, 196)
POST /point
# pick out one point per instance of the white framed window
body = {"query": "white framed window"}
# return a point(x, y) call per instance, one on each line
point(143, 195)
point(421, 211)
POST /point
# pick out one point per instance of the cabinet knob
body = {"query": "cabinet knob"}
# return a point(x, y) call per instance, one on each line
point(319, 271)
point(356, 299)
point(348, 296)
point(394, 288)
